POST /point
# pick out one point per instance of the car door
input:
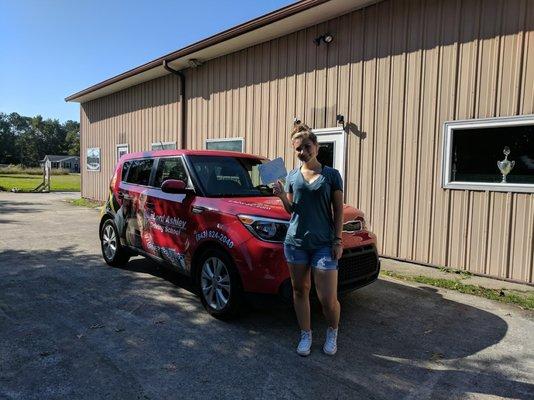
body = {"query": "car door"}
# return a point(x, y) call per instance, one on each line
point(170, 221)
point(133, 191)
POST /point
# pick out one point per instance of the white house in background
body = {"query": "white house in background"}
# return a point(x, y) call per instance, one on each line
point(72, 163)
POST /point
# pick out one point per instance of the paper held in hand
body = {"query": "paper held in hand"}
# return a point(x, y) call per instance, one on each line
point(273, 170)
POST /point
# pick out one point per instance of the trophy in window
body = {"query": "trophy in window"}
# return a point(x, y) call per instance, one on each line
point(505, 166)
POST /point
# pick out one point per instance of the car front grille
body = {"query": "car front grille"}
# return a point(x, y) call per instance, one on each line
point(357, 264)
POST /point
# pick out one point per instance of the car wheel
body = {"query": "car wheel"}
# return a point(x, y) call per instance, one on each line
point(113, 252)
point(219, 284)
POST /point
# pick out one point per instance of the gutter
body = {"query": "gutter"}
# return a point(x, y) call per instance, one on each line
point(183, 135)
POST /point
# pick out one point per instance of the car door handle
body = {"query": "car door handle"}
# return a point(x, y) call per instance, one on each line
point(149, 205)
point(198, 209)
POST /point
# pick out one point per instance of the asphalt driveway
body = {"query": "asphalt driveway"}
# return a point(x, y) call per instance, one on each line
point(71, 327)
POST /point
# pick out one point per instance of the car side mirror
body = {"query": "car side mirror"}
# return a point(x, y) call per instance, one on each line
point(174, 186)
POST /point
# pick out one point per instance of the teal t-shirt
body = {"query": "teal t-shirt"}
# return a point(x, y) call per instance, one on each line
point(312, 223)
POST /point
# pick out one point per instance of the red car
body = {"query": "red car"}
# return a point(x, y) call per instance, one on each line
point(207, 215)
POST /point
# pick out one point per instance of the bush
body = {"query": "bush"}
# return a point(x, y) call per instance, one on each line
point(21, 170)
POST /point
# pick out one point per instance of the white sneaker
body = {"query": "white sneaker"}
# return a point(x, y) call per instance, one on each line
point(304, 347)
point(330, 344)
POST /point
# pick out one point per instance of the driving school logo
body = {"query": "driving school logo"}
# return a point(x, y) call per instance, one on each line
point(221, 237)
point(166, 223)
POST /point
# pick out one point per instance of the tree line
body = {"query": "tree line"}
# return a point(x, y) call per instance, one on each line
point(26, 140)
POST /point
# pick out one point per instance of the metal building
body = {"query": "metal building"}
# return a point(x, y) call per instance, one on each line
point(427, 89)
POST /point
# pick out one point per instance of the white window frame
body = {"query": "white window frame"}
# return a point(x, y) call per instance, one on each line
point(162, 144)
point(122, 145)
point(498, 122)
point(337, 135)
point(234, 139)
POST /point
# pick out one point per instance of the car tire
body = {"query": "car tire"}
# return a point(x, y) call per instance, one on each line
point(113, 252)
point(219, 284)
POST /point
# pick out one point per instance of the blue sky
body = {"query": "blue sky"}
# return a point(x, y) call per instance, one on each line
point(50, 49)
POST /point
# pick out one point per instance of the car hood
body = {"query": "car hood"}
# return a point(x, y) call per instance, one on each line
point(269, 207)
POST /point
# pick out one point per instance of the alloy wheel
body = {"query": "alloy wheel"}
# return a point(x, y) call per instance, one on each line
point(215, 283)
point(109, 242)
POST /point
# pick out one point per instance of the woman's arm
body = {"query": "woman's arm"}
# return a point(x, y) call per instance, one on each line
point(337, 207)
point(287, 198)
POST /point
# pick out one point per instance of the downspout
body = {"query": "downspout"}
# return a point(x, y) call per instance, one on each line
point(182, 100)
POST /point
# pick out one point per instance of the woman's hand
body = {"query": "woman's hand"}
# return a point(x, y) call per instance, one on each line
point(337, 250)
point(278, 189)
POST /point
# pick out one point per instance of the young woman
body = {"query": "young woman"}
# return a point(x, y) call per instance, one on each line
point(313, 195)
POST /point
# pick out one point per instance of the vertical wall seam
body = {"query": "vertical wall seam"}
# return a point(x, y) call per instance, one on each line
point(522, 51)
point(498, 81)
point(419, 128)
point(477, 55)
point(388, 125)
point(438, 91)
point(403, 129)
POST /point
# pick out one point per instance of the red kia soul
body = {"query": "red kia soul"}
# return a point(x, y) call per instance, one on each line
point(207, 215)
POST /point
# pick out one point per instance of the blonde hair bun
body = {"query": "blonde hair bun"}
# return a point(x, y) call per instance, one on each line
point(302, 131)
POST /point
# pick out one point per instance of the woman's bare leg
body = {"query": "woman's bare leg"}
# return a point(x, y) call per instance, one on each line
point(301, 281)
point(326, 285)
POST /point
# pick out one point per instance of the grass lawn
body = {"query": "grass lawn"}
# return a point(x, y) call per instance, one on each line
point(521, 299)
point(26, 183)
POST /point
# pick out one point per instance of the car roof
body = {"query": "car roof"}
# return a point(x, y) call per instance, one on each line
point(168, 153)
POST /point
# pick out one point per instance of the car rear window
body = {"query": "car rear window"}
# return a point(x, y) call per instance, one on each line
point(170, 168)
point(139, 171)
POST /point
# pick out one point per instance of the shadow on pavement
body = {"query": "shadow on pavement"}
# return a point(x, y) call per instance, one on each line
point(19, 207)
point(67, 319)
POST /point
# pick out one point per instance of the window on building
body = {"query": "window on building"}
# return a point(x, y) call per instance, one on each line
point(66, 165)
point(234, 144)
point(122, 149)
point(164, 146)
point(490, 154)
point(139, 172)
point(170, 168)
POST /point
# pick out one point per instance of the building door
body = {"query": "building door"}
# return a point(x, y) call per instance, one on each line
point(332, 148)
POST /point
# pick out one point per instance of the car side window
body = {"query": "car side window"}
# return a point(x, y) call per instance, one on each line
point(170, 168)
point(139, 172)
point(125, 167)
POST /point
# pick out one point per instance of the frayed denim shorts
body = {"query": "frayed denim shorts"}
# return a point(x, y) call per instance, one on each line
point(317, 258)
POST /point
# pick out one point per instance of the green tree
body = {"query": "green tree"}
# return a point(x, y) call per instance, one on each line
point(25, 140)
point(7, 142)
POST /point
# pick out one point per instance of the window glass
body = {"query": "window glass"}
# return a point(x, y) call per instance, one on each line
point(170, 168)
point(139, 172)
point(228, 145)
point(229, 176)
point(164, 146)
point(475, 153)
point(326, 153)
point(125, 168)
point(121, 150)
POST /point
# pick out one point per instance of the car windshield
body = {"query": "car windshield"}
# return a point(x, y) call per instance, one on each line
point(223, 176)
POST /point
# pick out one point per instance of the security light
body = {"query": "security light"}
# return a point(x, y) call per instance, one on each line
point(326, 38)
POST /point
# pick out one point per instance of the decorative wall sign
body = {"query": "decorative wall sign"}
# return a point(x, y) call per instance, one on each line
point(93, 159)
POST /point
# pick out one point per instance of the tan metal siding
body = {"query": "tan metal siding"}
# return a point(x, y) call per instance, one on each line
point(138, 116)
point(397, 71)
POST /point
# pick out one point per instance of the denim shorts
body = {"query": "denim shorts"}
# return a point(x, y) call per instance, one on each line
point(317, 258)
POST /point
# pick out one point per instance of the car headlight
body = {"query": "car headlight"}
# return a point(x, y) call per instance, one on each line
point(268, 229)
